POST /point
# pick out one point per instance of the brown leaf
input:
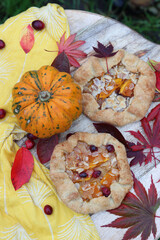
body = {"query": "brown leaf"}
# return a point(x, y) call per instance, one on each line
point(141, 53)
point(45, 148)
point(108, 128)
point(61, 62)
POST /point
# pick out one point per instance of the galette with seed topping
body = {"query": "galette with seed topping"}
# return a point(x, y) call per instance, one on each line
point(117, 90)
point(91, 172)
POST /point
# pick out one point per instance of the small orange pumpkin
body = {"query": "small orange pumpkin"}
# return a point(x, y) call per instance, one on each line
point(46, 101)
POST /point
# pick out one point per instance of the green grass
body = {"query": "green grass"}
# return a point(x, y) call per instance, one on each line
point(139, 19)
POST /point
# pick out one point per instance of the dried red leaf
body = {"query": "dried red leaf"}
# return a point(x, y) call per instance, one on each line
point(69, 47)
point(157, 81)
point(150, 141)
point(140, 137)
point(146, 127)
point(141, 53)
point(156, 97)
point(27, 39)
point(154, 64)
point(22, 168)
point(156, 129)
point(61, 62)
point(108, 128)
point(156, 67)
point(153, 113)
point(45, 148)
point(137, 156)
point(103, 51)
point(137, 213)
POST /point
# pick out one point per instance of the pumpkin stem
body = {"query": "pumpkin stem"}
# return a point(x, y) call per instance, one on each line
point(44, 96)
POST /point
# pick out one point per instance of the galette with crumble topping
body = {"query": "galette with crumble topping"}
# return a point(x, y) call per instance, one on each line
point(117, 90)
point(91, 172)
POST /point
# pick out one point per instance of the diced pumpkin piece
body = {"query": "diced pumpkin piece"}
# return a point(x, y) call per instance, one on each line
point(111, 176)
point(127, 88)
point(96, 161)
point(118, 82)
point(113, 85)
point(97, 192)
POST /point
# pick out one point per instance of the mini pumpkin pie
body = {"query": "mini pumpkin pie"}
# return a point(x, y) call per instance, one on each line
point(120, 95)
point(91, 172)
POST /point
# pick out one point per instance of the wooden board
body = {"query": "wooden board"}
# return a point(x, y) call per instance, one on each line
point(92, 28)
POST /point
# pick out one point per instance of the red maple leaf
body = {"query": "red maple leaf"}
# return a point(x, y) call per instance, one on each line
point(137, 156)
point(156, 67)
point(137, 213)
point(148, 142)
point(69, 46)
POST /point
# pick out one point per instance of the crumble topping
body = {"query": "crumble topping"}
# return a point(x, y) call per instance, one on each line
point(92, 169)
point(114, 89)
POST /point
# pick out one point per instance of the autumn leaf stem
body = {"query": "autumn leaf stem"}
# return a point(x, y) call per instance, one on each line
point(107, 66)
point(153, 155)
point(155, 158)
point(49, 50)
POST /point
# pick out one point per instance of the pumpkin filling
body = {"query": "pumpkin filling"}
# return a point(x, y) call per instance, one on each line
point(92, 169)
point(113, 90)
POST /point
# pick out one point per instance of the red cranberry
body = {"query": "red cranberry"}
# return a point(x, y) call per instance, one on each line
point(68, 135)
point(31, 136)
point(110, 148)
point(2, 44)
point(2, 113)
point(83, 174)
point(93, 148)
point(38, 24)
point(106, 191)
point(96, 173)
point(48, 210)
point(29, 144)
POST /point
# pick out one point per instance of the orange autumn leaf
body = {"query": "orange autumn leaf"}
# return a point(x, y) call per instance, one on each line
point(27, 39)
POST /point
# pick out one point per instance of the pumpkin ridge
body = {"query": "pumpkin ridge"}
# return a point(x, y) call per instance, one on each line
point(19, 104)
point(29, 86)
point(56, 83)
point(36, 80)
point(67, 114)
point(29, 74)
point(46, 114)
point(61, 79)
point(46, 76)
point(65, 100)
point(66, 87)
point(72, 113)
point(49, 112)
point(23, 117)
point(23, 94)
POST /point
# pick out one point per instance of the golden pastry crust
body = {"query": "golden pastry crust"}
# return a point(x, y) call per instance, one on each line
point(143, 91)
point(66, 188)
